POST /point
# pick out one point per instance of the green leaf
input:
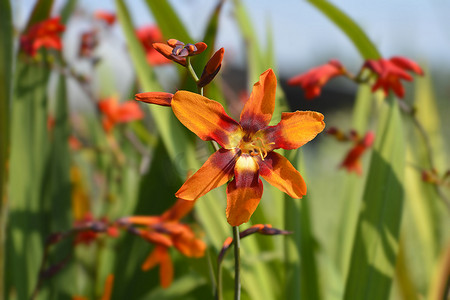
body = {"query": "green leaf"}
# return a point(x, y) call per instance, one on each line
point(301, 267)
point(376, 243)
point(41, 11)
point(6, 63)
point(255, 56)
point(29, 153)
point(168, 21)
point(353, 186)
point(365, 47)
point(173, 134)
point(427, 212)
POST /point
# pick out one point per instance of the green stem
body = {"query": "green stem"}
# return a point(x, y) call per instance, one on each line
point(211, 271)
point(219, 281)
point(190, 69)
point(237, 269)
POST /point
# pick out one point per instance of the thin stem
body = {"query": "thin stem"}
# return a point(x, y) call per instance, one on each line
point(427, 143)
point(219, 281)
point(190, 69)
point(237, 268)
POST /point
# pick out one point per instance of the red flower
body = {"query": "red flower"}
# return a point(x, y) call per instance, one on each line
point(148, 35)
point(43, 34)
point(178, 51)
point(118, 113)
point(352, 161)
point(313, 80)
point(106, 16)
point(89, 41)
point(390, 71)
point(89, 228)
point(166, 231)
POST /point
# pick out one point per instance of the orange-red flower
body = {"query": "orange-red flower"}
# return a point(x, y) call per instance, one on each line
point(389, 72)
point(247, 147)
point(43, 34)
point(118, 113)
point(148, 35)
point(164, 232)
point(313, 80)
point(108, 17)
point(178, 51)
point(352, 161)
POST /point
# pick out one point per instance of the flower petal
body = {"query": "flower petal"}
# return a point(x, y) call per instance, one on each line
point(279, 172)
point(160, 256)
point(206, 118)
point(178, 210)
point(295, 129)
point(212, 68)
point(217, 170)
point(152, 259)
point(158, 98)
point(200, 48)
point(407, 64)
point(258, 110)
point(188, 244)
point(244, 191)
point(156, 238)
point(129, 111)
point(165, 269)
point(166, 50)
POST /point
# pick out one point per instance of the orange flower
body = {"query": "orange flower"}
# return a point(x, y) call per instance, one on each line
point(118, 113)
point(43, 34)
point(178, 51)
point(247, 147)
point(106, 16)
point(313, 80)
point(352, 161)
point(390, 71)
point(166, 231)
point(148, 35)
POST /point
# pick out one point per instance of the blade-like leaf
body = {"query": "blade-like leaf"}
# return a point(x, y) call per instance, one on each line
point(365, 47)
point(174, 136)
point(301, 267)
point(376, 243)
point(168, 21)
point(6, 63)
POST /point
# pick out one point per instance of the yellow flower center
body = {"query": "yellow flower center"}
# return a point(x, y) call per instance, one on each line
point(254, 145)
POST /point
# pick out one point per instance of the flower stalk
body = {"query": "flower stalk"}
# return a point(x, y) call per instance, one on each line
point(237, 267)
